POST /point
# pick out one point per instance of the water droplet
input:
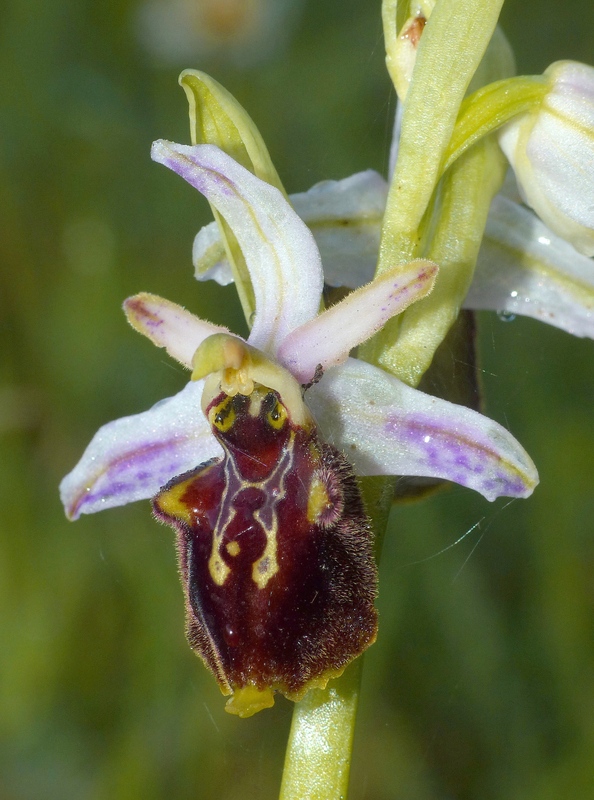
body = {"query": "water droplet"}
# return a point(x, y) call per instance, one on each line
point(506, 316)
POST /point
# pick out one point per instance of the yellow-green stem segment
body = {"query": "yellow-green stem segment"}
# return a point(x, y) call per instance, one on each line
point(451, 47)
point(318, 759)
point(406, 345)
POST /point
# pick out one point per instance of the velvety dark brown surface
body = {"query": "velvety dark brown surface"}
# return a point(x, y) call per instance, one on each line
point(314, 613)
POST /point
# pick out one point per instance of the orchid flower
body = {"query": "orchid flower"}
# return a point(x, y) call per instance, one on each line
point(383, 426)
point(311, 416)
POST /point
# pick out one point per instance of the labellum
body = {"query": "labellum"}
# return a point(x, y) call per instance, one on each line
point(274, 546)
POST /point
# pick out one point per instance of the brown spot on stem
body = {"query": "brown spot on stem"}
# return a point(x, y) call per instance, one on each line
point(414, 30)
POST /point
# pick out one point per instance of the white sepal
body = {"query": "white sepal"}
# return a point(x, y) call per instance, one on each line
point(524, 268)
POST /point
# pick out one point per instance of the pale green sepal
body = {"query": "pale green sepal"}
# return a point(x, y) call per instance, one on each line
point(217, 118)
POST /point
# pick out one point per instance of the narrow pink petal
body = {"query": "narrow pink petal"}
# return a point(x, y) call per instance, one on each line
point(328, 339)
point(279, 250)
point(385, 427)
point(133, 457)
point(524, 268)
point(168, 325)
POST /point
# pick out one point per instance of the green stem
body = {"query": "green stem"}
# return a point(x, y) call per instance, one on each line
point(451, 48)
point(443, 220)
point(408, 342)
point(318, 757)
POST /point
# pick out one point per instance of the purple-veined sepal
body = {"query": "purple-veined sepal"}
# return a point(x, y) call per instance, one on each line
point(130, 458)
point(387, 428)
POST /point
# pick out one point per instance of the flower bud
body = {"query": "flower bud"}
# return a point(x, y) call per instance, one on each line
point(551, 150)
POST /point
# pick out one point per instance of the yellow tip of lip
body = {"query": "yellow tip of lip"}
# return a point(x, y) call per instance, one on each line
point(248, 700)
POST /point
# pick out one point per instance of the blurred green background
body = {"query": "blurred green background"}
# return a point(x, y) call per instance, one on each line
point(481, 684)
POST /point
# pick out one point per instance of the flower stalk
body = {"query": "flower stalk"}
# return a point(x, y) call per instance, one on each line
point(318, 756)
